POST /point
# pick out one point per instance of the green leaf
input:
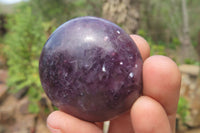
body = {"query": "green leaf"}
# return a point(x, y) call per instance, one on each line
point(33, 108)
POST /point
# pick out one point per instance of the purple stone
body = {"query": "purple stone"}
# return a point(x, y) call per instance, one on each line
point(90, 68)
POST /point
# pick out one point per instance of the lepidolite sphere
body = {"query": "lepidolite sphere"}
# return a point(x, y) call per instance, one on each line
point(90, 68)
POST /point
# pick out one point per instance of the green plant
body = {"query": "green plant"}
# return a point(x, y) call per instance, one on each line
point(183, 108)
point(24, 43)
point(174, 43)
point(59, 11)
point(156, 48)
point(191, 61)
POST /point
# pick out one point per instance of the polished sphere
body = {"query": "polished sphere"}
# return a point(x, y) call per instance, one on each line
point(90, 68)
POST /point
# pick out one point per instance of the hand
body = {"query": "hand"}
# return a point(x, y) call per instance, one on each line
point(154, 112)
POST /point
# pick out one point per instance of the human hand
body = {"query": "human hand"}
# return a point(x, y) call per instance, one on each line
point(154, 112)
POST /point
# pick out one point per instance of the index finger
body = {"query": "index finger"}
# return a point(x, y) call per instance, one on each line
point(142, 45)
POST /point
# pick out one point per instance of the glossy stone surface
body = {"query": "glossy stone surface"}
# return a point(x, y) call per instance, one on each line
point(90, 68)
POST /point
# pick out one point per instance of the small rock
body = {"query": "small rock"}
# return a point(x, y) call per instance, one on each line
point(24, 124)
point(190, 90)
point(6, 116)
point(21, 93)
point(7, 110)
point(190, 69)
point(22, 107)
point(192, 131)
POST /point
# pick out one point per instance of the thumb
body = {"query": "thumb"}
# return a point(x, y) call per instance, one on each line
point(148, 116)
point(60, 122)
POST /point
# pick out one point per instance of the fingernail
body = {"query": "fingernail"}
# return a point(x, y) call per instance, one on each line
point(53, 130)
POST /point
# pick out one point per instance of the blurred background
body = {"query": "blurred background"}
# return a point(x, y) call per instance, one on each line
point(171, 28)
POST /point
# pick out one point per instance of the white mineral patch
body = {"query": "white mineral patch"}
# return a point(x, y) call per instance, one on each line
point(105, 38)
point(103, 68)
point(136, 65)
point(131, 74)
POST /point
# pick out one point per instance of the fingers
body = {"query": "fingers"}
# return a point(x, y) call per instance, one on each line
point(142, 45)
point(148, 116)
point(160, 74)
point(59, 122)
point(123, 122)
point(161, 81)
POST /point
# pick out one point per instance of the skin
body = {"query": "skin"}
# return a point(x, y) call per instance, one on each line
point(154, 112)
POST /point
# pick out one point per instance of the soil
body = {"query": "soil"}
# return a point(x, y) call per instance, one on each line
point(14, 114)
